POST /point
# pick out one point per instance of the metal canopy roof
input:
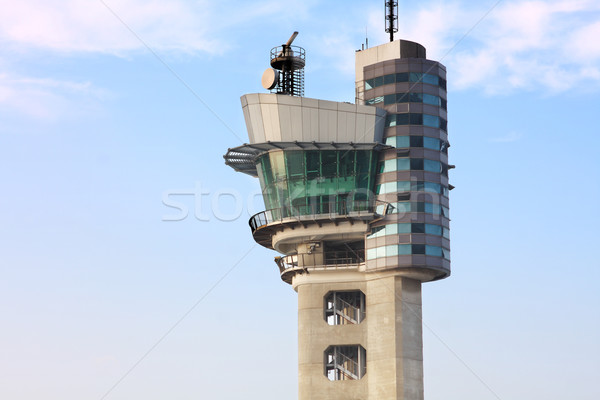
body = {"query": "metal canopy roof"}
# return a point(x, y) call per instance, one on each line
point(243, 158)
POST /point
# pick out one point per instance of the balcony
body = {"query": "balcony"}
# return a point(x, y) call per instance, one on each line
point(327, 261)
point(264, 224)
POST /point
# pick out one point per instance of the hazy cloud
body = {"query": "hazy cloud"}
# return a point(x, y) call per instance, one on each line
point(47, 99)
point(508, 138)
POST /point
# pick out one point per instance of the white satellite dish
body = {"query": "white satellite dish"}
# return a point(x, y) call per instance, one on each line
point(270, 78)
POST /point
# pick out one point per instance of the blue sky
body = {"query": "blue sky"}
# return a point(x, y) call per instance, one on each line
point(108, 108)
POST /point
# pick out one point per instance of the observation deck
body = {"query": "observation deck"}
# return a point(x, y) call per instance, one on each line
point(266, 224)
point(351, 260)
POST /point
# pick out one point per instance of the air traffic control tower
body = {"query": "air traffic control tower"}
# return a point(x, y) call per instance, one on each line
point(356, 199)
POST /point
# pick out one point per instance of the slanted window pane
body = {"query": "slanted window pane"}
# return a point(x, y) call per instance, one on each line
point(312, 164)
point(446, 233)
point(443, 124)
point(295, 164)
point(369, 84)
point(347, 163)
point(446, 253)
point(329, 166)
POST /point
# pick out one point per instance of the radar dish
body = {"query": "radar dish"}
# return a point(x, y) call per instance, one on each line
point(270, 78)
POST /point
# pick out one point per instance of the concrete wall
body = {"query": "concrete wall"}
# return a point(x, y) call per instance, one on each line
point(281, 118)
point(391, 333)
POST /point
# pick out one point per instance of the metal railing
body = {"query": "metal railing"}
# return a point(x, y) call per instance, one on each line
point(320, 210)
point(345, 367)
point(347, 311)
point(328, 259)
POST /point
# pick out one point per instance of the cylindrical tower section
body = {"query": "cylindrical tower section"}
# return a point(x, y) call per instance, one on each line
point(413, 175)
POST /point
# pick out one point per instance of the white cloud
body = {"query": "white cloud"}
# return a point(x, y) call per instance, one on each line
point(106, 26)
point(519, 45)
point(91, 26)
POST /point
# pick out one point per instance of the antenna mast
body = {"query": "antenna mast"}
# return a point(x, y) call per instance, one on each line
point(391, 18)
point(287, 73)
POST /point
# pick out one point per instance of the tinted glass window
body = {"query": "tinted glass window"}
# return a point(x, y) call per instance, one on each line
point(430, 79)
point(416, 141)
point(418, 249)
point(402, 77)
point(418, 228)
point(431, 120)
point(431, 143)
point(432, 166)
point(416, 164)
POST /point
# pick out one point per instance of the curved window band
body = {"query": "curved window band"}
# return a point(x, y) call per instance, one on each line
point(412, 186)
point(305, 179)
point(432, 121)
point(413, 164)
point(397, 98)
point(418, 141)
point(395, 229)
point(404, 207)
point(407, 249)
point(415, 77)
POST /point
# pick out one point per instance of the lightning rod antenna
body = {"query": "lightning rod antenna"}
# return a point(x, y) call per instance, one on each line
point(391, 18)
